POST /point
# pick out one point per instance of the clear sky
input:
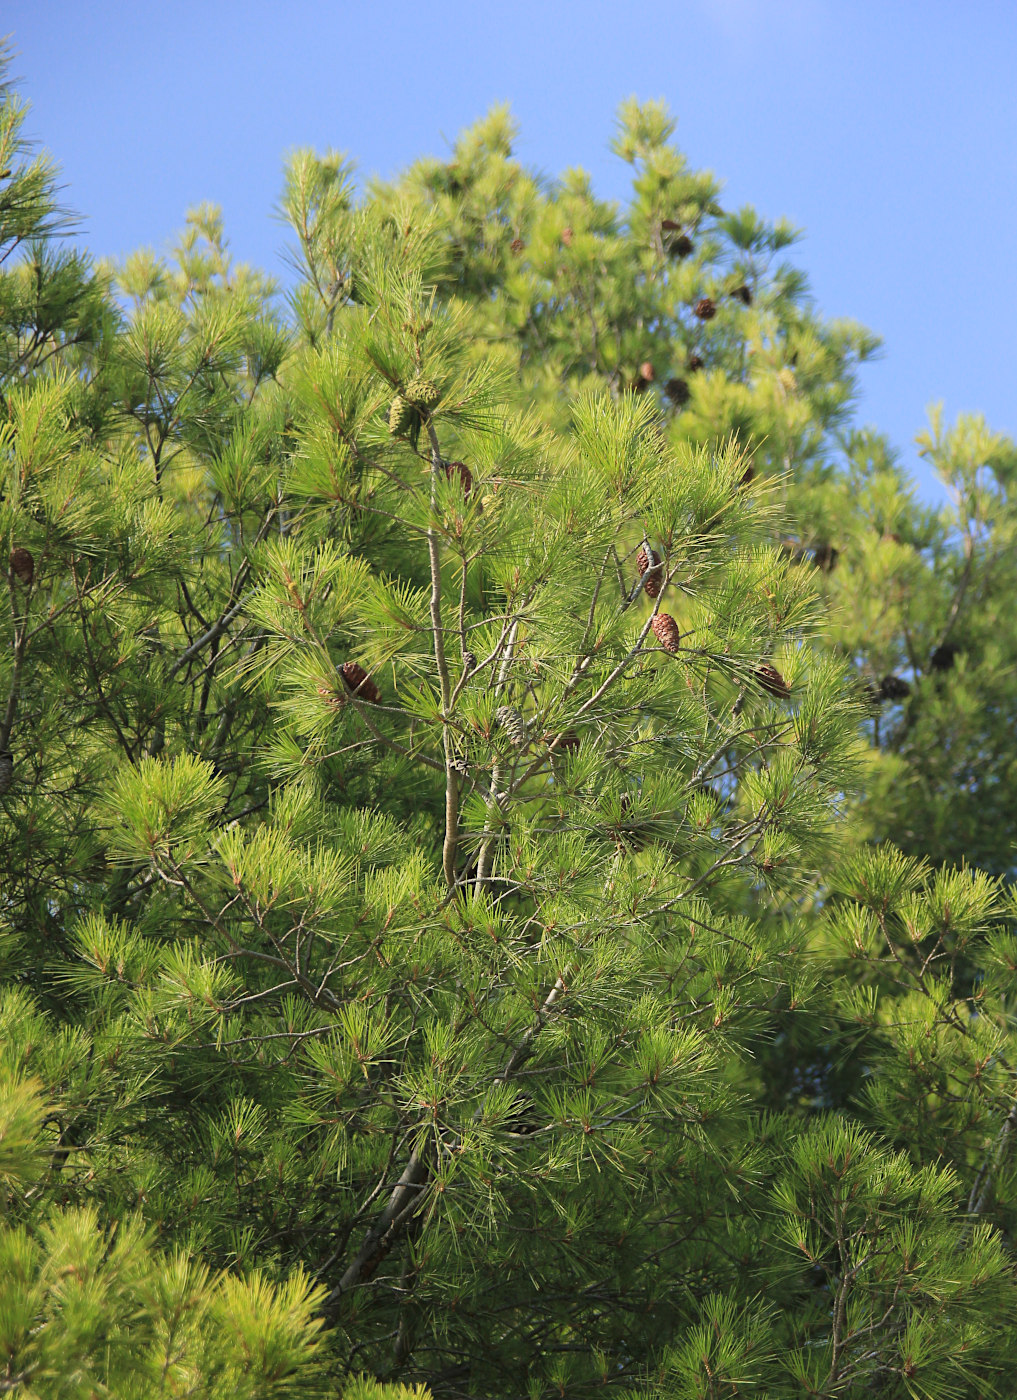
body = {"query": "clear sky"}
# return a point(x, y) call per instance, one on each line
point(886, 129)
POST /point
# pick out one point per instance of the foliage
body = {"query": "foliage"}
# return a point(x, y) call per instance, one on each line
point(448, 933)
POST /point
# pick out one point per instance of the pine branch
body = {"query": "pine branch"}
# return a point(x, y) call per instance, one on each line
point(450, 844)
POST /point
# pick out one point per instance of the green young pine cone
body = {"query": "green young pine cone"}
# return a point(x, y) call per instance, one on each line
point(400, 416)
point(509, 719)
point(424, 393)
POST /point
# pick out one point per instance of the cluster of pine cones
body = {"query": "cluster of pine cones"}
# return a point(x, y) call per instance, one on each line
point(668, 634)
point(411, 405)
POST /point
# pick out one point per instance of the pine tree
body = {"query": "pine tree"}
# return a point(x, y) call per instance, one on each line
point(440, 944)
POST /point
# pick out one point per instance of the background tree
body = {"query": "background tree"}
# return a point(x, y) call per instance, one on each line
point(88, 1304)
point(700, 308)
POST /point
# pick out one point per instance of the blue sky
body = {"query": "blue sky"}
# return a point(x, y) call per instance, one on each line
point(886, 129)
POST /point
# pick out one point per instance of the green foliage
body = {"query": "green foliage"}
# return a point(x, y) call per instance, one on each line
point(449, 936)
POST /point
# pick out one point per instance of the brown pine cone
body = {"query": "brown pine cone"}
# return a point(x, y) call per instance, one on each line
point(694, 362)
point(462, 471)
point(359, 683)
point(682, 246)
point(567, 742)
point(22, 565)
point(517, 245)
point(894, 688)
point(469, 662)
point(705, 308)
point(747, 475)
point(678, 392)
point(665, 629)
point(870, 695)
point(670, 225)
point(655, 578)
point(566, 237)
point(647, 372)
point(768, 678)
point(743, 294)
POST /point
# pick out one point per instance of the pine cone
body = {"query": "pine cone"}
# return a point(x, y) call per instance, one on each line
point(400, 416)
point(6, 770)
point(705, 308)
point(871, 695)
point(655, 578)
point(694, 362)
point(682, 246)
point(567, 742)
point(566, 237)
point(678, 392)
point(517, 245)
point(943, 657)
point(670, 225)
point(359, 683)
point(509, 719)
point(462, 471)
point(22, 565)
point(665, 629)
point(647, 372)
point(768, 678)
point(894, 688)
point(469, 663)
point(423, 393)
point(825, 556)
point(629, 835)
point(747, 475)
point(743, 294)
